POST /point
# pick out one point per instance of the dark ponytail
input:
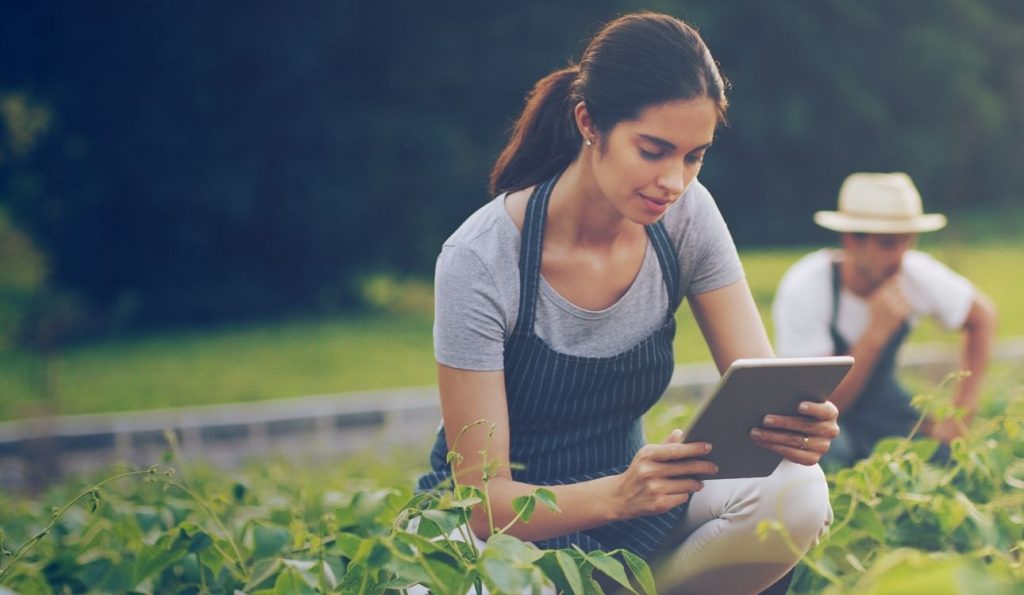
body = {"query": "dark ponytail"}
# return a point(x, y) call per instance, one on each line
point(545, 139)
point(634, 62)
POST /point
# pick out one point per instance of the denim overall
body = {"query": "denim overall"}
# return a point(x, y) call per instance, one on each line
point(882, 408)
point(575, 418)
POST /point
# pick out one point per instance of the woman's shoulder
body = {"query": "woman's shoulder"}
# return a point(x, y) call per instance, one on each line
point(487, 238)
point(490, 223)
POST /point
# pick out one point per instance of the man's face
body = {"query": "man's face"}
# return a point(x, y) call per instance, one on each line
point(876, 257)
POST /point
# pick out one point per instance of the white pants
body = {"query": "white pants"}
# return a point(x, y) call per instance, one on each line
point(721, 552)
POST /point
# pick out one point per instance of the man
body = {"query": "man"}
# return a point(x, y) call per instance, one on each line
point(863, 299)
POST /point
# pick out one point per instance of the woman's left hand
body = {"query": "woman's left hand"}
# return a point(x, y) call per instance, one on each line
point(800, 438)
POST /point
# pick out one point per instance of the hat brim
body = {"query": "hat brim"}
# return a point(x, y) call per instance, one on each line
point(844, 222)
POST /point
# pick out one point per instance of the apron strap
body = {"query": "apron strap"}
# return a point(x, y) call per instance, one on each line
point(530, 251)
point(532, 248)
point(839, 344)
point(669, 265)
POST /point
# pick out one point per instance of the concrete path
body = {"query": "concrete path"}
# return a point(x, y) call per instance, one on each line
point(34, 452)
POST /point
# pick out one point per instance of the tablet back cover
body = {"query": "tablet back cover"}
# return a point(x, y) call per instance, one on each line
point(751, 389)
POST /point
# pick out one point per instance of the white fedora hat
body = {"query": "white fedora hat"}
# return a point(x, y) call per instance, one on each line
point(879, 203)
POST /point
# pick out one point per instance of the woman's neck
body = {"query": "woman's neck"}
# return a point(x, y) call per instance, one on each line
point(580, 214)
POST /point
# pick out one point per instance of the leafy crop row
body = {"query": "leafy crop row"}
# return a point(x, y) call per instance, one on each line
point(902, 525)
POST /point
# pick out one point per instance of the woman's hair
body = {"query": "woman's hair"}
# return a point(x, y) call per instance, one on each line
point(634, 62)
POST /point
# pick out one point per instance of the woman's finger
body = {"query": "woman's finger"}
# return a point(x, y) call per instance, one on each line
point(821, 411)
point(802, 425)
point(797, 455)
point(795, 440)
point(674, 451)
point(683, 486)
point(689, 467)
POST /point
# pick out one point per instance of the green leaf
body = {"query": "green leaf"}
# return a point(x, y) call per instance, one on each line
point(548, 564)
point(949, 512)
point(504, 575)
point(408, 571)
point(547, 498)
point(418, 542)
point(453, 578)
point(262, 571)
point(355, 579)
point(465, 497)
point(268, 540)
point(640, 570)
point(924, 448)
point(523, 506)
point(512, 549)
point(867, 520)
point(438, 522)
point(367, 506)
point(154, 558)
point(199, 542)
point(609, 566)
point(347, 544)
point(889, 445)
point(292, 582)
point(571, 570)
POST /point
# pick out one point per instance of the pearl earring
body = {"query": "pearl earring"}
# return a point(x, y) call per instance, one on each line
point(589, 142)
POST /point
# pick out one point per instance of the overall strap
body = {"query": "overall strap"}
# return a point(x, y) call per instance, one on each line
point(839, 345)
point(530, 251)
point(669, 264)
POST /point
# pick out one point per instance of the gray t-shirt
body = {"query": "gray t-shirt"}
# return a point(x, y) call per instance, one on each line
point(476, 287)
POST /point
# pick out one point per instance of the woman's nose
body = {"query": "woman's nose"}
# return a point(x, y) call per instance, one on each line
point(672, 179)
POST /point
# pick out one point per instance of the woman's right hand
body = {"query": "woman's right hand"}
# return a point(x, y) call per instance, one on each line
point(661, 477)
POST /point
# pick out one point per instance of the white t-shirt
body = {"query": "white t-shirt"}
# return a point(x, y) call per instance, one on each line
point(802, 309)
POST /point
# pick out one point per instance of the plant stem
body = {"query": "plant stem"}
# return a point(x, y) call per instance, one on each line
point(216, 519)
point(28, 545)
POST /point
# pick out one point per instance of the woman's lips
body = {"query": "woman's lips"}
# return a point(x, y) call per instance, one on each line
point(655, 206)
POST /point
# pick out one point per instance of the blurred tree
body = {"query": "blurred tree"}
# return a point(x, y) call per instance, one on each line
point(201, 161)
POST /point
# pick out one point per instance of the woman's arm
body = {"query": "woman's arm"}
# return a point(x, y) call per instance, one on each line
point(731, 325)
point(651, 485)
point(733, 329)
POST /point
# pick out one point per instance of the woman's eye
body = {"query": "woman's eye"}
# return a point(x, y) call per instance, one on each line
point(651, 155)
point(693, 159)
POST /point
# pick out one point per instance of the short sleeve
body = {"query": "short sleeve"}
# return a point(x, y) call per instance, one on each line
point(469, 321)
point(937, 290)
point(800, 313)
point(707, 254)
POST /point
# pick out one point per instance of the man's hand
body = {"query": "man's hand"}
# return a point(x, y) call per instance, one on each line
point(946, 430)
point(888, 307)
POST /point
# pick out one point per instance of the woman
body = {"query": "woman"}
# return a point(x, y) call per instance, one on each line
point(554, 322)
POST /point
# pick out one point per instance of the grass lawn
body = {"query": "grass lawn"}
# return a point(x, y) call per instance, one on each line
point(388, 349)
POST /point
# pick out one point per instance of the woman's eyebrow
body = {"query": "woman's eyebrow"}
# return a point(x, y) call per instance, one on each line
point(667, 145)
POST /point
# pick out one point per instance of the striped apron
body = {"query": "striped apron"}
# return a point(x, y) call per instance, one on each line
point(575, 418)
point(882, 408)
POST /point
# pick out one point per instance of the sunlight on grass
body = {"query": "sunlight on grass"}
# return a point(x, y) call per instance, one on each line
point(389, 348)
point(231, 364)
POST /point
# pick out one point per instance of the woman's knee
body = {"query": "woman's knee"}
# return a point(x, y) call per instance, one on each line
point(799, 495)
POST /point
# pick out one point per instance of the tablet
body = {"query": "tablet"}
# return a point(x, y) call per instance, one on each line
point(749, 390)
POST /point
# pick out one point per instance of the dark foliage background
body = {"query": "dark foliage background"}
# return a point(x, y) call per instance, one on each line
point(195, 161)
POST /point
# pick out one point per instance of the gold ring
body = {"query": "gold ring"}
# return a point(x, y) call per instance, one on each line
point(803, 444)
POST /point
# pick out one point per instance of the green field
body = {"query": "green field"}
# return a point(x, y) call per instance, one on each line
point(390, 347)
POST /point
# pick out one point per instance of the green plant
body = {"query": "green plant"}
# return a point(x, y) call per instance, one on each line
point(901, 515)
point(167, 534)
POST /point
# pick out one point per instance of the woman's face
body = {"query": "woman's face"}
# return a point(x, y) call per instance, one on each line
point(642, 166)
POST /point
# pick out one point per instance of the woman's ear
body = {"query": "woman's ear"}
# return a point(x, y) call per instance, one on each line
point(584, 123)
